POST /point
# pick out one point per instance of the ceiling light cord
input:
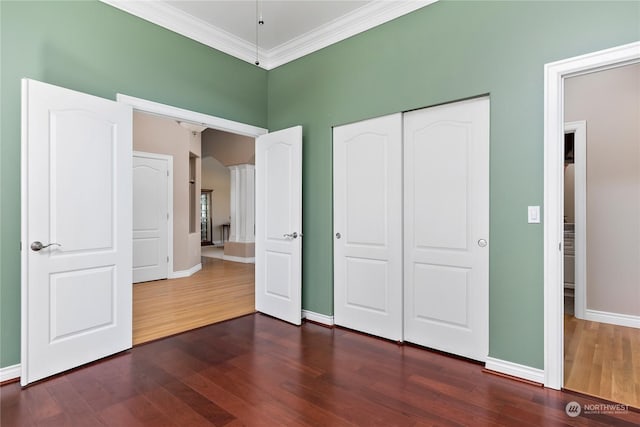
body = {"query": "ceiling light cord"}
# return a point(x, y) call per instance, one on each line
point(259, 21)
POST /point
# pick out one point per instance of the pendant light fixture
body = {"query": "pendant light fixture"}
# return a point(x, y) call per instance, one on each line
point(259, 23)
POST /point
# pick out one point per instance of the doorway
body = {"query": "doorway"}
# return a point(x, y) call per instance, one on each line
point(555, 75)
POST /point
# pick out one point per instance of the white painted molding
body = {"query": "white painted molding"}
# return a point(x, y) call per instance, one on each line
point(185, 273)
point(157, 108)
point(10, 373)
point(612, 318)
point(370, 15)
point(318, 317)
point(554, 75)
point(515, 370)
point(244, 260)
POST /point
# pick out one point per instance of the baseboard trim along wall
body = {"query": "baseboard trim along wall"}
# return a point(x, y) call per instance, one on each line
point(10, 373)
point(244, 260)
point(317, 317)
point(628, 320)
point(515, 370)
point(185, 273)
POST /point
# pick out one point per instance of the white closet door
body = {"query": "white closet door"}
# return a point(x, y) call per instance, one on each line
point(367, 162)
point(446, 220)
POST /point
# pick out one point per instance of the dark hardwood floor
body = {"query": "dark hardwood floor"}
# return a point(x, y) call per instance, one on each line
point(258, 371)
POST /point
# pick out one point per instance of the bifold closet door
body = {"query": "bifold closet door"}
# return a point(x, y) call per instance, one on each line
point(367, 186)
point(446, 227)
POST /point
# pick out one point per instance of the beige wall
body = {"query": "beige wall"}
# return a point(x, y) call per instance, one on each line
point(216, 177)
point(228, 148)
point(609, 101)
point(159, 135)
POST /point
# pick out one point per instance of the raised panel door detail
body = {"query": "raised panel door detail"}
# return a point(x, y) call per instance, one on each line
point(146, 252)
point(278, 266)
point(278, 188)
point(367, 284)
point(81, 301)
point(440, 153)
point(367, 157)
point(146, 208)
point(82, 174)
point(441, 294)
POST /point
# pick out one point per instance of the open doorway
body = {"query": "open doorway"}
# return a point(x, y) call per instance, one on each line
point(200, 290)
point(602, 234)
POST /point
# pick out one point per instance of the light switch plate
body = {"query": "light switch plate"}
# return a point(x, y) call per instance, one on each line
point(534, 214)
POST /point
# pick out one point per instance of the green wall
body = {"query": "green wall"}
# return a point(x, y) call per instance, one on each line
point(97, 49)
point(444, 52)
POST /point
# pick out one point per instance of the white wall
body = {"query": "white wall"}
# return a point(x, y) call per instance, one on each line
point(610, 103)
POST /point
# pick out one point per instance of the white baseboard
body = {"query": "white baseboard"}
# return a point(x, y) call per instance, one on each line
point(240, 259)
point(515, 370)
point(185, 273)
point(612, 318)
point(10, 373)
point(317, 317)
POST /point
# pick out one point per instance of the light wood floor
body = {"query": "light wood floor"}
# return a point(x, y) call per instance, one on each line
point(222, 290)
point(602, 360)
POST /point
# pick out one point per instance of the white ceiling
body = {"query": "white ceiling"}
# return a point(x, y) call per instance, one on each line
point(291, 29)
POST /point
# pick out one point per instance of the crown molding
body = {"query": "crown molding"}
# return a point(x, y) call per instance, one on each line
point(371, 15)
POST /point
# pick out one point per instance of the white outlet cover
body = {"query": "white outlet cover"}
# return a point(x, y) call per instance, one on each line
point(533, 215)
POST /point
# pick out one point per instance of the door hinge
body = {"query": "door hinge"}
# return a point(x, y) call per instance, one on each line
point(560, 246)
point(167, 258)
point(167, 215)
point(167, 173)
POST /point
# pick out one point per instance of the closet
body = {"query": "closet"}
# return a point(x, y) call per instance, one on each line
point(411, 227)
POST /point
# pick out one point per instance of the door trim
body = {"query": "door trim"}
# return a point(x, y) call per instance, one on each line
point(169, 160)
point(554, 75)
point(143, 105)
point(579, 130)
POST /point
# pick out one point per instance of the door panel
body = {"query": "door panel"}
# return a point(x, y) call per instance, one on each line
point(367, 187)
point(279, 224)
point(446, 219)
point(150, 218)
point(76, 192)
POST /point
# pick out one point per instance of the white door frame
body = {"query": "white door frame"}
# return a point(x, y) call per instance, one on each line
point(142, 105)
point(579, 130)
point(169, 160)
point(554, 75)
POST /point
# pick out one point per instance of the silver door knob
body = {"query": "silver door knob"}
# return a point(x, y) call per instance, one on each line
point(293, 235)
point(338, 235)
point(482, 243)
point(36, 246)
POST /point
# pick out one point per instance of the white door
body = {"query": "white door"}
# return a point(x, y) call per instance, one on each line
point(279, 224)
point(367, 218)
point(446, 219)
point(151, 219)
point(76, 197)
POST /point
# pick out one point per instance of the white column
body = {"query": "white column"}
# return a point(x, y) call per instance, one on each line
point(243, 180)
